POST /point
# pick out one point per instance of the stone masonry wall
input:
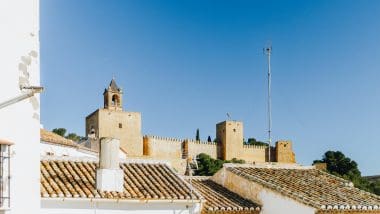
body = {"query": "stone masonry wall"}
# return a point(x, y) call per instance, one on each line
point(197, 147)
point(252, 153)
point(162, 147)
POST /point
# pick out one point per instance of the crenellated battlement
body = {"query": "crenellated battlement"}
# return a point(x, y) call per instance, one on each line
point(254, 147)
point(166, 139)
point(192, 141)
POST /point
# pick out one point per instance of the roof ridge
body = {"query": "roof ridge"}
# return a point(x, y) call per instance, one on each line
point(96, 159)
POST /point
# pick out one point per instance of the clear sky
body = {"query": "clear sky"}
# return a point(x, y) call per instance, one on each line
point(185, 64)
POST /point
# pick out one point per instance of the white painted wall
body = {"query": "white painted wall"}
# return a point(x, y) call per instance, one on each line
point(271, 201)
point(20, 122)
point(59, 150)
point(275, 203)
point(79, 206)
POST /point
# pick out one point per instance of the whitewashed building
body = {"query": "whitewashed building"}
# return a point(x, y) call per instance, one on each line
point(107, 185)
point(55, 145)
point(20, 105)
point(295, 189)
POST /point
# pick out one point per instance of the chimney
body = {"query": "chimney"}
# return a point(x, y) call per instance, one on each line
point(109, 176)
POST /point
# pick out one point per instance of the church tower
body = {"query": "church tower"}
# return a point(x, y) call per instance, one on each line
point(113, 121)
point(113, 97)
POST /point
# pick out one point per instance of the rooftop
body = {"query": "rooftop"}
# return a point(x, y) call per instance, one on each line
point(310, 186)
point(143, 180)
point(53, 138)
point(220, 199)
point(113, 85)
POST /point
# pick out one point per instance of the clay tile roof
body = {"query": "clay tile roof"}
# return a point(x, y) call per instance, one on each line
point(218, 198)
point(52, 138)
point(67, 178)
point(312, 187)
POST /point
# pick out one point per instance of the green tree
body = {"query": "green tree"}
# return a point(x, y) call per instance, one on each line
point(209, 139)
point(253, 141)
point(73, 137)
point(208, 166)
point(197, 137)
point(340, 165)
point(59, 131)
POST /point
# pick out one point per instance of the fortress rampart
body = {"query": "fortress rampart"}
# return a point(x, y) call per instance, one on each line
point(162, 147)
point(173, 148)
point(113, 121)
point(197, 147)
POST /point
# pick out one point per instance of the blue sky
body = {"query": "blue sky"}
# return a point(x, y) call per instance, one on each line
point(185, 64)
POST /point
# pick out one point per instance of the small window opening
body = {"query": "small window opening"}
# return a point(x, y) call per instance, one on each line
point(5, 155)
point(120, 125)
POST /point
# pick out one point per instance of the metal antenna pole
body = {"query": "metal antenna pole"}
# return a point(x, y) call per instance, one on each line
point(268, 51)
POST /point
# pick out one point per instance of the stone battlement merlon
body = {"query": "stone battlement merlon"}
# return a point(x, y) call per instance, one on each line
point(254, 147)
point(167, 139)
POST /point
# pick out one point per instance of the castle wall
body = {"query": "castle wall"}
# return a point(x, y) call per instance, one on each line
point(197, 147)
point(162, 147)
point(253, 153)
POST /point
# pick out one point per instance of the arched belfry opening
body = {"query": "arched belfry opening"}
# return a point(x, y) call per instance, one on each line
point(113, 97)
point(115, 100)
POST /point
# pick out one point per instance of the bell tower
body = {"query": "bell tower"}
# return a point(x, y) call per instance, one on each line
point(113, 97)
point(114, 122)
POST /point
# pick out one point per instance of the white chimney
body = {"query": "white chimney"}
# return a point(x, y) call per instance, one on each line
point(109, 176)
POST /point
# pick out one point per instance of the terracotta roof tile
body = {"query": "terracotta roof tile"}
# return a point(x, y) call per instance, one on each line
point(221, 200)
point(55, 139)
point(51, 137)
point(312, 187)
point(69, 178)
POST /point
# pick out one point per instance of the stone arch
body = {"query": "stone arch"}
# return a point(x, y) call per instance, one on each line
point(115, 100)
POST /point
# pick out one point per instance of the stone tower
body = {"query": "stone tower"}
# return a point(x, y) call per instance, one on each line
point(113, 97)
point(284, 152)
point(229, 135)
point(112, 121)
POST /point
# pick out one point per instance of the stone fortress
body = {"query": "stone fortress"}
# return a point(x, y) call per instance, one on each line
point(113, 121)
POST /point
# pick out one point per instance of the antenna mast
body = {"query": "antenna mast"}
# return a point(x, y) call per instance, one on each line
point(268, 51)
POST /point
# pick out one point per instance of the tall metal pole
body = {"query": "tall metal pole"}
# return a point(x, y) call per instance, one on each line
point(268, 51)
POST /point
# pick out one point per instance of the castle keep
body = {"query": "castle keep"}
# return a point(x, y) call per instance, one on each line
point(113, 121)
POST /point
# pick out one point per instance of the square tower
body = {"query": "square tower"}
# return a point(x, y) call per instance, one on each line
point(229, 135)
point(112, 121)
point(284, 152)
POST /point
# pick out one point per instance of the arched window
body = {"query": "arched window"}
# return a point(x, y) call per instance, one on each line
point(115, 100)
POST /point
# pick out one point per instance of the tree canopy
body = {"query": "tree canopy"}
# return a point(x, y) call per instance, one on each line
point(253, 141)
point(70, 136)
point(208, 166)
point(340, 165)
point(60, 131)
point(73, 137)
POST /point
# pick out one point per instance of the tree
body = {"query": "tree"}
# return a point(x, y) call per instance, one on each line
point(59, 131)
point(197, 137)
point(73, 137)
point(70, 136)
point(253, 141)
point(208, 166)
point(209, 139)
point(340, 165)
